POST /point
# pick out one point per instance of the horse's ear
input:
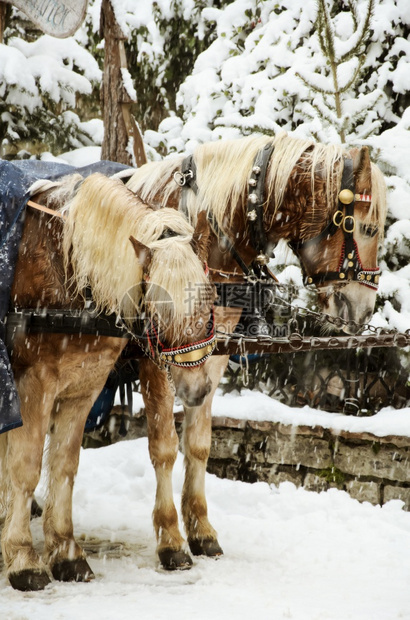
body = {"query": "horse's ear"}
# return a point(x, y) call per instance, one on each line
point(201, 236)
point(362, 167)
point(144, 254)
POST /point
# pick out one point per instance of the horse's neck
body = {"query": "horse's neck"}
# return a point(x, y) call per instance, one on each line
point(39, 275)
point(300, 216)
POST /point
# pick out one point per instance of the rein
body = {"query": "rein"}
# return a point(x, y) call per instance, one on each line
point(39, 207)
point(86, 322)
point(350, 265)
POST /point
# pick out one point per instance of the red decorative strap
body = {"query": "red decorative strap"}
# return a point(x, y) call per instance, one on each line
point(363, 197)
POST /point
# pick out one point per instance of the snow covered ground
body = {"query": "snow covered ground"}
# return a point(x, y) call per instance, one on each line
point(289, 553)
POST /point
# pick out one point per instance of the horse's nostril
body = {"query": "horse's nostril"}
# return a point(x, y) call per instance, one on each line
point(343, 306)
point(367, 316)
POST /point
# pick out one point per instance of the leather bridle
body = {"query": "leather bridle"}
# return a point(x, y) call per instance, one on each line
point(350, 266)
point(184, 356)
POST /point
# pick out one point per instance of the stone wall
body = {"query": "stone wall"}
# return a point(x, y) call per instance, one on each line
point(369, 468)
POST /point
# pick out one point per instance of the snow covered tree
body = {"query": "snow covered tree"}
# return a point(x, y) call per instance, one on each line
point(333, 80)
point(40, 79)
point(270, 68)
point(250, 80)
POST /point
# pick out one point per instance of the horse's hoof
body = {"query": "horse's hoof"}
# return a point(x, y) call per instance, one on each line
point(175, 560)
point(72, 570)
point(205, 546)
point(29, 580)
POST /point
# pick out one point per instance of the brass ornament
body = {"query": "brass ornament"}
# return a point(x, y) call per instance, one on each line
point(346, 196)
point(351, 219)
point(338, 218)
point(262, 259)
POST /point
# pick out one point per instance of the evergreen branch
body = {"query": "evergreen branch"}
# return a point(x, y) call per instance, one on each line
point(314, 87)
point(325, 25)
point(354, 76)
point(364, 32)
point(323, 114)
point(353, 10)
point(249, 129)
point(319, 31)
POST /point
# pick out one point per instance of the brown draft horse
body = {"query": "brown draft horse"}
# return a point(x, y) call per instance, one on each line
point(59, 376)
point(337, 249)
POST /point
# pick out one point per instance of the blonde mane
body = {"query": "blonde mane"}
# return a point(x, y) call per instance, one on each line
point(100, 218)
point(224, 167)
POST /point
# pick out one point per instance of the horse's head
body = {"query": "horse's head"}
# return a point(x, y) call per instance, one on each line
point(158, 282)
point(342, 259)
point(178, 301)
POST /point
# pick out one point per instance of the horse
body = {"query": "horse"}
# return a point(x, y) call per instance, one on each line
point(138, 263)
point(327, 203)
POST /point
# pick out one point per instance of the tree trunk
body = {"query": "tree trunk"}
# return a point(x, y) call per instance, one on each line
point(122, 140)
point(3, 8)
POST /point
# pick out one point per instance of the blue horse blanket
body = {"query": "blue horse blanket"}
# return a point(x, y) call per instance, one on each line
point(15, 179)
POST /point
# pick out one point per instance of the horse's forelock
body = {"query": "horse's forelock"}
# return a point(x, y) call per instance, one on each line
point(177, 276)
point(378, 207)
point(152, 226)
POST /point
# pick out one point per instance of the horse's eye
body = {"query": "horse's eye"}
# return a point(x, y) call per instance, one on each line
point(368, 230)
point(167, 233)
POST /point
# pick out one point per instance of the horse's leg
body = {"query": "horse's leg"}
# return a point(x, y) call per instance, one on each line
point(202, 537)
point(64, 555)
point(163, 449)
point(26, 571)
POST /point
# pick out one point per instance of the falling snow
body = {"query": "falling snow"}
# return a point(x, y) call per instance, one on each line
point(289, 553)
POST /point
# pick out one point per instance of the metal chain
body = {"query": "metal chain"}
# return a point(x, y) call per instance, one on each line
point(321, 317)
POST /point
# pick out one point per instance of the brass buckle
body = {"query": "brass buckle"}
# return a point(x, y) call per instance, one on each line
point(338, 213)
point(349, 217)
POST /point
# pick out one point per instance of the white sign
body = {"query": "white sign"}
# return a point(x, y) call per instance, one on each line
point(60, 18)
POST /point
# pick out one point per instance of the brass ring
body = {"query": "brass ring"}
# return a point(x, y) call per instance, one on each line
point(349, 217)
point(341, 218)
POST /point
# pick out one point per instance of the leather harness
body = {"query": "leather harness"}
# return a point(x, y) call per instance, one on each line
point(350, 266)
point(87, 321)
